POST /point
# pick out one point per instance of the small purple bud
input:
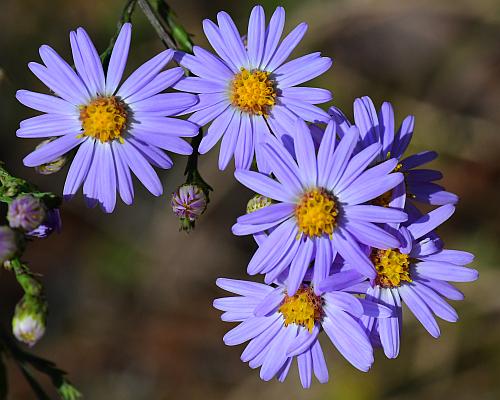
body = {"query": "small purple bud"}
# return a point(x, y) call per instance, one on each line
point(9, 244)
point(52, 223)
point(26, 213)
point(188, 203)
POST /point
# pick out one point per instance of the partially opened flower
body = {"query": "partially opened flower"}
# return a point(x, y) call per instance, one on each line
point(118, 128)
point(248, 87)
point(319, 208)
point(280, 326)
point(417, 274)
point(419, 183)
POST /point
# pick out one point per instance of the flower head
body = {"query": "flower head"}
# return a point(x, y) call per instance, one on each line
point(26, 213)
point(416, 274)
point(318, 210)
point(188, 203)
point(248, 87)
point(9, 244)
point(419, 184)
point(280, 326)
point(117, 128)
point(29, 322)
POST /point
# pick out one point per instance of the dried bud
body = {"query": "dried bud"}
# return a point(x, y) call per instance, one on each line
point(10, 244)
point(28, 324)
point(53, 166)
point(51, 223)
point(26, 213)
point(257, 202)
point(188, 203)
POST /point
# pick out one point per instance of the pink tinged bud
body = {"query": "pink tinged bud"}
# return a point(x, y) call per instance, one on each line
point(189, 202)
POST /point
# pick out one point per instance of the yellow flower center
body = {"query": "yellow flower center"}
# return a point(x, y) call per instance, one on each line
point(253, 92)
point(393, 267)
point(303, 308)
point(316, 213)
point(104, 118)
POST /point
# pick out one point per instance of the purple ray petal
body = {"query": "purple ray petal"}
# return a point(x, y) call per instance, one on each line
point(142, 169)
point(273, 35)
point(286, 47)
point(304, 362)
point(92, 62)
point(371, 213)
point(79, 168)
point(372, 235)
point(63, 77)
point(143, 75)
point(418, 307)
point(299, 266)
point(48, 125)
point(430, 221)
point(244, 288)
point(50, 151)
point(124, 178)
point(263, 185)
point(349, 249)
point(46, 103)
point(118, 59)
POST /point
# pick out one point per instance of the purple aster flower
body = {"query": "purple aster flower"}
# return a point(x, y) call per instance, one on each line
point(9, 244)
point(319, 208)
point(26, 213)
point(417, 273)
point(52, 223)
point(281, 326)
point(117, 129)
point(248, 87)
point(419, 184)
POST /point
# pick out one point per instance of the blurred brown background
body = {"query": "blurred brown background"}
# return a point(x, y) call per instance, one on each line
point(130, 296)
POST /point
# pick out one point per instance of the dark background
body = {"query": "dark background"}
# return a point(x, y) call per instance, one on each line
point(130, 296)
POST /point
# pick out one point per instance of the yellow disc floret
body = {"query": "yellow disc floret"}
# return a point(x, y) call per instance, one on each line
point(316, 213)
point(393, 267)
point(104, 118)
point(253, 92)
point(303, 308)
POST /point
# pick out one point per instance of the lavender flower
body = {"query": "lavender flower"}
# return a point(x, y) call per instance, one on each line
point(417, 273)
point(380, 128)
point(117, 129)
point(26, 213)
point(248, 87)
point(9, 244)
point(281, 326)
point(319, 208)
point(188, 203)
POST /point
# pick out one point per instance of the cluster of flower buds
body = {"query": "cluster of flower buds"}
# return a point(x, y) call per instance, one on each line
point(31, 214)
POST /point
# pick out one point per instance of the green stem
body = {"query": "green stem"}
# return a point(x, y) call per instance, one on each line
point(26, 360)
point(25, 278)
point(126, 16)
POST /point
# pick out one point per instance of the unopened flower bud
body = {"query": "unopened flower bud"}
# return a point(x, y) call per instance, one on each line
point(51, 223)
point(10, 244)
point(257, 202)
point(53, 166)
point(188, 203)
point(26, 213)
point(28, 324)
